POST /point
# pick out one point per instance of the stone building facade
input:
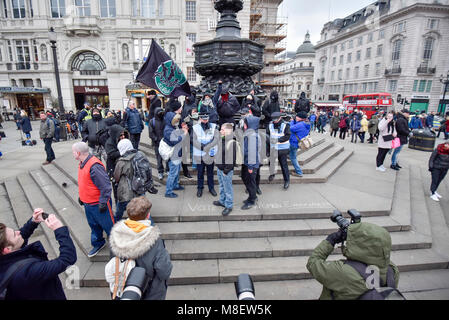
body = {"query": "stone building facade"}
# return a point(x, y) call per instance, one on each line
point(393, 46)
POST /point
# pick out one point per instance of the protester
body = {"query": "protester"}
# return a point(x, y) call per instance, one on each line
point(136, 239)
point(299, 130)
point(271, 106)
point(227, 105)
point(91, 131)
point(302, 104)
point(155, 103)
point(95, 195)
point(209, 104)
point(387, 132)
point(403, 133)
point(355, 126)
point(279, 133)
point(438, 166)
point(84, 115)
point(33, 276)
point(366, 243)
point(46, 133)
point(132, 122)
point(156, 132)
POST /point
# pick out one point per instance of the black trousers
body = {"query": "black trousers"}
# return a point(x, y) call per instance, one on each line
point(381, 154)
point(437, 176)
point(257, 176)
point(354, 134)
point(334, 133)
point(49, 150)
point(160, 164)
point(343, 133)
point(135, 140)
point(209, 168)
point(282, 157)
point(362, 136)
point(249, 179)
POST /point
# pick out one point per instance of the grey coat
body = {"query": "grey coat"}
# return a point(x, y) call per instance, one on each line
point(123, 174)
point(47, 129)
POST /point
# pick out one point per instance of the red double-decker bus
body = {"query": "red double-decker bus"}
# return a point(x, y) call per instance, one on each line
point(369, 103)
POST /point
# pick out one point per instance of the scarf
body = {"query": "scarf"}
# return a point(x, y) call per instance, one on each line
point(442, 149)
point(137, 226)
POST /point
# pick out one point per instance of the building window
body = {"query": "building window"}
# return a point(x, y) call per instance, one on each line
point(88, 63)
point(190, 10)
point(57, 8)
point(399, 27)
point(335, 49)
point(428, 48)
point(379, 50)
point(381, 34)
point(18, 8)
point(396, 55)
point(4, 9)
point(368, 53)
point(333, 75)
point(299, 87)
point(432, 24)
point(348, 73)
point(136, 50)
point(308, 87)
point(340, 74)
point(191, 74)
point(351, 44)
point(192, 37)
point(342, 46)
point(360, 42)
point(356, 72)
point(341, 59)
point(392, 85)
point(334, 61)
point(378, 69)
point(366, 70)
point(146, 43)
point(148, 8)
point(349, 59)
point(107, 8)
point(161, 8)
point(1, 55)
point(422, 85)
point(82, 8)
point(35, 52)
point(10, 51)
point(370, 37)
point(359, 55)
point(23, 55)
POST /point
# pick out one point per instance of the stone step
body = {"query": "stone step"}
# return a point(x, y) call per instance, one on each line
point(318, 162)
point(21, 208)
point(6, 211)
point(236, 248)
point(257, 229)
point(43, 193)
point(410, 283)
point(198, 272)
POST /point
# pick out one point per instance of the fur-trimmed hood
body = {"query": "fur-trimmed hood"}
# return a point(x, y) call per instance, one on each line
point(125, 243)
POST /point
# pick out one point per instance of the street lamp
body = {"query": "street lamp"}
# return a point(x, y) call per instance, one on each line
point(52, 37)
point(445, 82)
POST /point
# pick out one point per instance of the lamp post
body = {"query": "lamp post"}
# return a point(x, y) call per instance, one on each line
point(445, 82)
point(52, 37)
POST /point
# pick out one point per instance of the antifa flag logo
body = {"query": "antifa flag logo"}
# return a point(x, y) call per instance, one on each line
point(168, 76)
point(160, 72)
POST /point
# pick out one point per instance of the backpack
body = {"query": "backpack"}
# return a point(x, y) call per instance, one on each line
point(116, 273)
point(342, 123)
point(388, 292)
point(55, 121)
point(142, 179)
point(102, 136)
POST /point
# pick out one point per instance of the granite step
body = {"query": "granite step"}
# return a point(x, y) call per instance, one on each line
point(236, 248)
point(21, 208)
point(6, 210)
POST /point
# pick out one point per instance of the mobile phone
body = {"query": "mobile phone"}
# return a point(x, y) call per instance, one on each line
point(44, 215)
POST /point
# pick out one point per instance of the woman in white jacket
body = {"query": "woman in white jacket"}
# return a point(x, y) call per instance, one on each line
point(387, 132)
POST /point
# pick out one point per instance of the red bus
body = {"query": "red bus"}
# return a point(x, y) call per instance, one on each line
point(369, 103)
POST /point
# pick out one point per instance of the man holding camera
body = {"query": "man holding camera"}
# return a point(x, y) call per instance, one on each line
point(367, 245)
point(25, 270)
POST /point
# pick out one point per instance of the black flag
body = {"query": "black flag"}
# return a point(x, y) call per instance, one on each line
point(160, 72)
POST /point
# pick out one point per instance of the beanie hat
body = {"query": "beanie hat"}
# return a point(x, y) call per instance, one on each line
point(175, 105)
point(302, 115)
point(124, 146)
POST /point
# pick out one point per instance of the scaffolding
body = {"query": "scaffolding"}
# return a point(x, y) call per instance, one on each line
point(269, 29)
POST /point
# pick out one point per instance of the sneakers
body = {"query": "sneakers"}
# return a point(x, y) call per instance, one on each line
point(381, 169)
point(160, 176)
point(435, 197)
point(180, 188)
point(218, 204)
point(171, 195)
point(226, 211)
point(438, 195)
point(394, 167)
point(95, 250)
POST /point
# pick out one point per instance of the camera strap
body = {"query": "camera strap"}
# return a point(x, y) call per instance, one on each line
point(117, 276)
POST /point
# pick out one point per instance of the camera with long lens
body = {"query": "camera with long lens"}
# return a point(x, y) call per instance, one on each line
point(136, 284)
point(244, 287)
point(343, 224)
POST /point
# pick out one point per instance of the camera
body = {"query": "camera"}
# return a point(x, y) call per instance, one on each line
point(135, 285)
point(44, 215)
point(343, 223)
point(244, 287)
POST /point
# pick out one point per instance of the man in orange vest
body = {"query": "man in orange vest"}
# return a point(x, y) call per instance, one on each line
point(95, 195)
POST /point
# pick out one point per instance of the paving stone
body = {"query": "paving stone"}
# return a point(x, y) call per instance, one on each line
point(441, 294)
point(202, 271)
point(272, 228)
point(322, 159)
point(189, 230)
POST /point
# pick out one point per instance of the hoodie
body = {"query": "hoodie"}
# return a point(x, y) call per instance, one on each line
point(156, 126)
point(111, 146)
point(147, 249)
point(270, 106)
point(439, 158)
point(172, 135)
point(302, 104)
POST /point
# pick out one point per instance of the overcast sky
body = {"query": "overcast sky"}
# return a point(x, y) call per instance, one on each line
point(311, 15)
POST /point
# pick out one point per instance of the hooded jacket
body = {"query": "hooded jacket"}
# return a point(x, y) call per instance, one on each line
point(148, 250)
point(111, 146)
point(439, 158)
point(270, 106)
point(132, 121)
point(402, 128)
point(38, 280)
point(171, 137)
point(302, 104)
point(155, 103)
point(227, 107)
point(123, 174)
point(90, 129)
point(156, 126)
point(299, 129)
point(367, 243)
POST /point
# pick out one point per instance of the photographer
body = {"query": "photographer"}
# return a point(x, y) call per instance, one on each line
point(366, 243)
point(136, 239)
point(37, 279)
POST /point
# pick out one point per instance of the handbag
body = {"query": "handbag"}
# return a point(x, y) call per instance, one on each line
point(165, 150)
point(305, 143)
point(396, 143)
point(388, 137)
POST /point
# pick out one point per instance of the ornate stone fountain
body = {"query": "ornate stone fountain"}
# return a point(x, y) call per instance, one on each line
point(228, 57)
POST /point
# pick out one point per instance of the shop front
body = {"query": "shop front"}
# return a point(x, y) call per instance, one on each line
point(29, 99)
point(95, 95)
point(139, 96)
point(419, 103)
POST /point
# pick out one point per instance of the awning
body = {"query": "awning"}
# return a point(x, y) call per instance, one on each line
point(24, 90)
point(327, 105)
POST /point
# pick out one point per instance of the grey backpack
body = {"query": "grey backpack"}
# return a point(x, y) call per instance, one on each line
point(388, 292)
point(142, 180)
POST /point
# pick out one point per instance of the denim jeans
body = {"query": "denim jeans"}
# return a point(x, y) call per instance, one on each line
point(226, 190)
point(120, 210)
point(99, 222)
point(394, 157)
point(49, 149)
point(294, 159)
point(173, 177)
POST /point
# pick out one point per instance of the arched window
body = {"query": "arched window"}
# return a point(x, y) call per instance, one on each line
point(428, 48)
point(396, 54)
point(88, 63)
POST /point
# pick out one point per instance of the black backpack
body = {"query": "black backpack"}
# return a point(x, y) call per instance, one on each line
point(142, 179)
point(387, 292)
point(102, 136)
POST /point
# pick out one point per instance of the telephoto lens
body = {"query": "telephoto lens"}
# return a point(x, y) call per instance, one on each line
point(244, 287)
point(356, 217)
point(342, 223)
point(135, 284)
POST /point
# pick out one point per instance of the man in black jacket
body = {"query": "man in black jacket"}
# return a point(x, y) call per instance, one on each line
point(270, 106)
point(155, 103)
point(37, 279)
point(156, 130)
point(403, 132)
point(302, 104)
point(227, 105)
point(89, 133)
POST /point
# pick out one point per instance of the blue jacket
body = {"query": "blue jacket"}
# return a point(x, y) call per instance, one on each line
point(25, 124)
point(312, 118)
point(429, 121)
point(170, 136)
point(322, 120)
point(252, 143)
point(132, 121)
point(38, 280)
point(299, 130)
point(355, 125)
point(415, 123)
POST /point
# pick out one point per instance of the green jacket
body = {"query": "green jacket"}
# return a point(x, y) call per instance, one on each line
point(366, 243)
